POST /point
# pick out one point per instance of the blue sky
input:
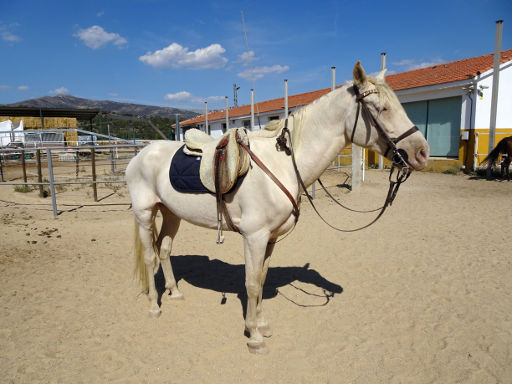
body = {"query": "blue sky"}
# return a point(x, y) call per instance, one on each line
point(181, 54)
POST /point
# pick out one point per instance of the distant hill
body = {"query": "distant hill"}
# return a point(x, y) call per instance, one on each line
point(68, 101)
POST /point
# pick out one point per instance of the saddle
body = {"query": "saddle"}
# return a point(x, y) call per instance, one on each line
point(222, 163)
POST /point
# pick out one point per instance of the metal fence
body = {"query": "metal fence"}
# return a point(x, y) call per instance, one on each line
point(478, 157)
point(44, 159)
point(76, 165)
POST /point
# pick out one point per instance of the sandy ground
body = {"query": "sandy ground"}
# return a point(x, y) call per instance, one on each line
point(423, 296)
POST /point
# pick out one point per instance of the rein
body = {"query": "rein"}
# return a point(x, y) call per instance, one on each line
point(399, 158)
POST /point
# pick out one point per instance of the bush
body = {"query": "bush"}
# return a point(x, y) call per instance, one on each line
point(22, 188)
point(451, 171)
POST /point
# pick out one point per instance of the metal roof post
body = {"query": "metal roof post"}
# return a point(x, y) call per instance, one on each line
point(285, 98)
point(206, 126)
point(495, 84)
point(252, 109)
point(227, 113)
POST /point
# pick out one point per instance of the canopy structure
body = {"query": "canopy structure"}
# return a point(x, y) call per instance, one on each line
point(79, 114)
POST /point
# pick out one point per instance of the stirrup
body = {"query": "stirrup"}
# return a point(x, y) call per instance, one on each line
point(220, 235)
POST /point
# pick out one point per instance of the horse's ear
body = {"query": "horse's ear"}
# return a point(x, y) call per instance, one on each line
point(359, 75)
point(381, 76)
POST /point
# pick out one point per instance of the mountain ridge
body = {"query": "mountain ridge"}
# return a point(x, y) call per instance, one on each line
point(73, 102)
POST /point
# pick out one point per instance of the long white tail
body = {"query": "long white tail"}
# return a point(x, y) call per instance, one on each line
point(140, 271)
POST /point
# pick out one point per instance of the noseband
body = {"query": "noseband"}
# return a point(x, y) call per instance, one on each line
point(399, 157)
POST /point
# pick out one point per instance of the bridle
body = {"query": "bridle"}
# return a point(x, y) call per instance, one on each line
point(399, 160)
point(399, 157)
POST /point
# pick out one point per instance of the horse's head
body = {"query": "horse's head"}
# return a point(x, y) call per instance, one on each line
point(381, 123)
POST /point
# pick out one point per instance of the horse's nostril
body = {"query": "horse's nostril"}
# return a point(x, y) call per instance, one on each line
point(422, 155)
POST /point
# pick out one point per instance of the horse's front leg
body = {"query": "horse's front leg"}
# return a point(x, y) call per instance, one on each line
point(263, 325)
point(255, 246)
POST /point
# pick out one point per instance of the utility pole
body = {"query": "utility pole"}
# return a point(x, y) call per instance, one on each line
point(235, 95)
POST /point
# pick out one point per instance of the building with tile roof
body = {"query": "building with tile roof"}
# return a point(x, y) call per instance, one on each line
point(449, 102)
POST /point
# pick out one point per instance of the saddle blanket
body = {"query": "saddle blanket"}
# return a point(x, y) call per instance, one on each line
point(184, 173)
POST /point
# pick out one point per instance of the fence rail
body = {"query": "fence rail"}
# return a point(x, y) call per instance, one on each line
point(52, 164)
point(36, 166)
point(476, 156)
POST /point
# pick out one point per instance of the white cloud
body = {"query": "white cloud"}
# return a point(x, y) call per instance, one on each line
point(184, 97)
point(59, 91)
point(23, 88)
point(247, 57)
point(179, 96)
point(176, 56)
point(411, 64)
point(259, 72)
point(7, 35)
point(96, 37)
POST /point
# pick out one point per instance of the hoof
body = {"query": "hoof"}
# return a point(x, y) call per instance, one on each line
point(257, 347)
point(177, 296)
point(265, 330)
point(154, 313)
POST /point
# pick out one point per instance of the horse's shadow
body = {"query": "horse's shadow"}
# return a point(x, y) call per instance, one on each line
point(222, 277)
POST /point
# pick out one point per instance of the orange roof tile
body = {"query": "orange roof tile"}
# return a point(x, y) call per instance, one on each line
point(437, 74)
point(262, 107)
point(445, 73)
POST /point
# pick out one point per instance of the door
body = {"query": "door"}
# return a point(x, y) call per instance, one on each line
point(439, 121)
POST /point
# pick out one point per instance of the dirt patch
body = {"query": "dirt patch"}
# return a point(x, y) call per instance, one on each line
point(422, 296)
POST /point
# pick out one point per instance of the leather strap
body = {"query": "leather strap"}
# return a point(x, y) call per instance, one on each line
point(296, 210)
point(409, 132)
point(221, 206)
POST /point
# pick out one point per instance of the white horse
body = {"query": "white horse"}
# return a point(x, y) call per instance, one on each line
point(258, 208)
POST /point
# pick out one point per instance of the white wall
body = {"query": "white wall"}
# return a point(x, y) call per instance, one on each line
point(483, 106)
point(238, 122)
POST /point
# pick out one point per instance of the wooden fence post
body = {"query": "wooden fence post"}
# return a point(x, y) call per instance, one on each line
point(23, 165)
point(39, 173)
point(1, 169)
point(77, 163)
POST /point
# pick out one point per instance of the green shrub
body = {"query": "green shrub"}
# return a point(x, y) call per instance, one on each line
point(22, 188)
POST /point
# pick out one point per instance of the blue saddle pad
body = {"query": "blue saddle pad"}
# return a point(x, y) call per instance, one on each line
point(184, 173)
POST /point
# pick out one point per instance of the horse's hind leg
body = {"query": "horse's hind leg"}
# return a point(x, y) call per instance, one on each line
point(505, 167)
point(146, 219)
point(170, 225)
